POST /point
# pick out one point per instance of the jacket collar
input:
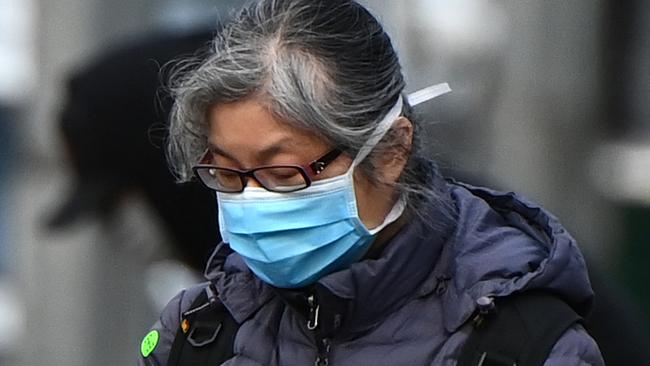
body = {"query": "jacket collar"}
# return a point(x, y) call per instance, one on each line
point(374, 288)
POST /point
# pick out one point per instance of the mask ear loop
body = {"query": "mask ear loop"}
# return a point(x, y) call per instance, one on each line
point(382, 127)
point(393, 114)
point(428, 93)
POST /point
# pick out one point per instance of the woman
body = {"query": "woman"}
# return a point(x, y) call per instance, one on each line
point(341, 244)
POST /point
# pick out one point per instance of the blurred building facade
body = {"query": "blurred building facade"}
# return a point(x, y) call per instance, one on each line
point(549, 100)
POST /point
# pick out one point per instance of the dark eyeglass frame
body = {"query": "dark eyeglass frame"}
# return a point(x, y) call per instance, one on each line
point(308, 172)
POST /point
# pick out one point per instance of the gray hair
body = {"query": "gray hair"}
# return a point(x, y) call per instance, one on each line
point(324, 66)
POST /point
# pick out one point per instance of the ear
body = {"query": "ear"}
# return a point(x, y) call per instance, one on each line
point(394, 161)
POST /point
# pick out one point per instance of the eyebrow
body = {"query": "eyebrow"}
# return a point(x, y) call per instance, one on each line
point(214, 149)
point(267, 152)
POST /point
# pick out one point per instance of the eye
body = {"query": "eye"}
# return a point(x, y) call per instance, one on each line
point(282, 173)
point(224, 176)
point(278, 178)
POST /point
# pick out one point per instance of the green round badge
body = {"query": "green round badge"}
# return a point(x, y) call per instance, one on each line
point(149, 343)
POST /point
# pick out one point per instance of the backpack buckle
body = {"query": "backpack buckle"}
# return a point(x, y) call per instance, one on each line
point(486, 306)
point(202, 333)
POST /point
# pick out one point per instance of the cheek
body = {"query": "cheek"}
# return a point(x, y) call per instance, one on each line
point(364, 193)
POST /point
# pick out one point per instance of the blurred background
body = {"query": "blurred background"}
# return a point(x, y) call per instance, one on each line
point(551, 99)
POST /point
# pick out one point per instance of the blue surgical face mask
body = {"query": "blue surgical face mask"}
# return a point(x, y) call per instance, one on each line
point(291, 240)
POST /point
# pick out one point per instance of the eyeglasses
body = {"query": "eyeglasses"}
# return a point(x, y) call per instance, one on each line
point(274, 178)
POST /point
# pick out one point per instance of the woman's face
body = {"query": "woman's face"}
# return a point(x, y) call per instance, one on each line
point(244, 135)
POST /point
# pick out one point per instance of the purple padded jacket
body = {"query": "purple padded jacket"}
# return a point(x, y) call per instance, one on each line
point(411, 305)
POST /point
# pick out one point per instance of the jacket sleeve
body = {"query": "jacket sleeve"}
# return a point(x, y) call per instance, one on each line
point(575, 348)
point(167, 326)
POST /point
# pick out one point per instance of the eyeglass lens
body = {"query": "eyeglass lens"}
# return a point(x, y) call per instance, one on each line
point(280, 179)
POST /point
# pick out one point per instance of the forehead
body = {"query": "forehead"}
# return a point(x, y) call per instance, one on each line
point(247, 128)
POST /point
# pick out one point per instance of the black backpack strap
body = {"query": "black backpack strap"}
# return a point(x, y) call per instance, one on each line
point(518, 330)
point(206, 335)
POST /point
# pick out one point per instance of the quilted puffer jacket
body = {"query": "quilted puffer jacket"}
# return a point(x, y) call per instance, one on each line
point(411, 305)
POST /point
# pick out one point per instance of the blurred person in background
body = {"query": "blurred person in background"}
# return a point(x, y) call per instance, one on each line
point(342, 244)
point(112, 127)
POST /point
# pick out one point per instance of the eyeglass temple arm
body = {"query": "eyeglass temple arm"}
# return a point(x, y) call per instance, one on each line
point(318, 165)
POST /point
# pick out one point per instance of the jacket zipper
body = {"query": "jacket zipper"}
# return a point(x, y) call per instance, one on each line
point(322, 343)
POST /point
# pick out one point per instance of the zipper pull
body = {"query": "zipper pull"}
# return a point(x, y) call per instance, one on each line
point(312, 322)
point(323, 353)
point(323, 344)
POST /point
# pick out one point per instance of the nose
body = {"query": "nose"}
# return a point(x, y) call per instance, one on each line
point(252, 182)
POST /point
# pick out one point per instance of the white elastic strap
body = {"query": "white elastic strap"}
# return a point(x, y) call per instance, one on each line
point(393, 215)
point(414, 99)
point(379, 132)
point(428, 93)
